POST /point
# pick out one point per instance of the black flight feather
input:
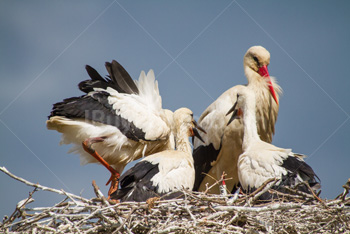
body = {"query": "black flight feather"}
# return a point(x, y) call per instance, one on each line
point(294, 167)
point(203, 156)
point(136, 184)
point(96, 107)
point(118, 79)
point(121, 77)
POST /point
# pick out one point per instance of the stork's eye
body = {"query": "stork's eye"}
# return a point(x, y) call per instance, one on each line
point(256, 60)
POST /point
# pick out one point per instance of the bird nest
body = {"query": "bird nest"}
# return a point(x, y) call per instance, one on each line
point(193, 213)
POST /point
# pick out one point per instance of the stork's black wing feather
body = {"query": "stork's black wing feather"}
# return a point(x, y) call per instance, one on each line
point(136, 184)
point(121, 77)
point(203, 156)
point(118, 79)
point(97, 81)
point(296, 166)
point(96, 107)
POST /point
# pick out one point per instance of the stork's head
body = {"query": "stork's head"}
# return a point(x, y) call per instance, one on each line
point(184, 121)
point(255, 64)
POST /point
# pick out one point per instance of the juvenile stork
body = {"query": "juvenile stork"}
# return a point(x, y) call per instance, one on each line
point(223, 143)
point(163, 172)
point(261, 161)
point(123, 119)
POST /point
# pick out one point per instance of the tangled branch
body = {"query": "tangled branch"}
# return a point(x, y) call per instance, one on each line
point(195, 213)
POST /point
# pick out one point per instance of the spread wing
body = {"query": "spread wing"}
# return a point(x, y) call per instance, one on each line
point(134, 108)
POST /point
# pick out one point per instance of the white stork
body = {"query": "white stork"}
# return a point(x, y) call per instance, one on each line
point(261, 161)
point(122, 118)
point(163, 172)
point(223, 143)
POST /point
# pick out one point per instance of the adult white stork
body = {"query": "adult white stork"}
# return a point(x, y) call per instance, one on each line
point(122, 118)
point(163, 172)
point(261, 161)
point(223, 143)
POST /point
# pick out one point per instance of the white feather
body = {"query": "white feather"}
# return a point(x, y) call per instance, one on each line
point(228, 138)
point(143, 110)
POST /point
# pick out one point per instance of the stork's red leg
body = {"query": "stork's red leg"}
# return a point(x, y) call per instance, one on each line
point(114, 179)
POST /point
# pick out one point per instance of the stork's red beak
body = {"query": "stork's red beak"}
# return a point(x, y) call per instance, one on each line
point(265, 73)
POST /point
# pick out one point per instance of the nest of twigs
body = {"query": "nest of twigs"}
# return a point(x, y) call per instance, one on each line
point(193, 213)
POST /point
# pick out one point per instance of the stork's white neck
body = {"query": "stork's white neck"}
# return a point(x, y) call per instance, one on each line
point(255, 81)
point(182, 141)
point(252, 76)
point(249, 123)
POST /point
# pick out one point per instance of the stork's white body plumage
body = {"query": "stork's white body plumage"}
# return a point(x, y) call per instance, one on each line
point(163, 172)
point(223, 143)
point(127, 113)
point(261, 161)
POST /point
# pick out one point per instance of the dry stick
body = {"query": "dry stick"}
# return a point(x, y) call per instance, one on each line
point(333, 202)
point(34, 219)
point(172, 229)
point(99, 194)
point(294, 197)
point(44, 188)
point(272, 207)
point(213, 216)
point(188, 210)
point(297, 192)
point(70, 197)
point(266, 186)
point(18, 207)
point(233, 219)
point(170, 216)
point(71, 224)
point(261, 187)
point(346, 187)
point(124, 223)
point(216, 182)
point(28, 221)
point(218, 216)
point(313, 193)
point(46, 228)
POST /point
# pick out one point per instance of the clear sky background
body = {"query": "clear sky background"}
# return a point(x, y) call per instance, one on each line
point(196, 49)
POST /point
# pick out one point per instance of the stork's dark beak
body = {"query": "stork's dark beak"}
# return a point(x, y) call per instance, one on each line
point(237, 113)
point(233, 117)
point(232, 108)
point(234, 114)
point(196, 133)
point(198, 127)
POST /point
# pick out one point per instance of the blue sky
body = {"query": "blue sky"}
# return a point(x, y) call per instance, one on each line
point(196, 49)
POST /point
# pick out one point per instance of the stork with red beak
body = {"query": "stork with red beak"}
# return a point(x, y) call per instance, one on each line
point(261, 161)
point(223, 142)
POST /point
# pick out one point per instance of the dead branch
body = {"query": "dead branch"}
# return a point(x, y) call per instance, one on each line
point(38, 186)
point(195, 213)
